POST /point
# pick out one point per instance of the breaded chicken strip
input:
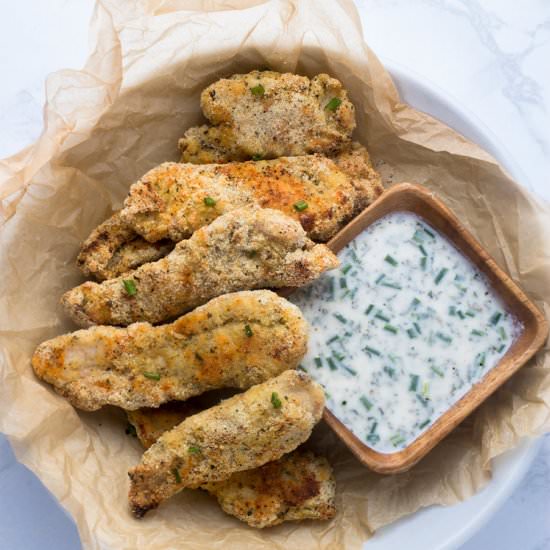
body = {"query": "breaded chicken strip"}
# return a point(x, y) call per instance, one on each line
point(243, 432)
point(114, 248)
point(173, 200)
point(265, 114)
point(236, 340)
point(298, 486)
point(245, 249)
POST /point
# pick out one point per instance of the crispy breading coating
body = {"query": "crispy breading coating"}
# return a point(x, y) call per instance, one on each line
point(243, 432)
point(245, 249)
point(173, 200)
point(236, 340)
point(297, 486)
point(265, 114)
point(114, 248)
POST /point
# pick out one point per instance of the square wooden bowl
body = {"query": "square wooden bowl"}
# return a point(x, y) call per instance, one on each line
point(419, 200)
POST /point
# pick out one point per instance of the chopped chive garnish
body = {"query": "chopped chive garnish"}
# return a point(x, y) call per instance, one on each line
point(275, 401)
point(470, 313)
point(382, 317)
point(476, 332)
point(129, 287)
point(351, 371)
point(392, 261)
point(392, 285)
point(302, 368)
point(423, 262)
point(152, 375)
point(415, 302)
point(340, 318)
point(389, 371)
point(501, 348)
point(337, 355)
point(444, 337)
point(369, 350)
point(354, 256)
point(411, 333)
point(130, 430)
point(248, 331)
point(366, 403)
point(193, 449)
point(258, 90)
point(424, 424)
point(209, 201)
point(417, 327)
point(333, 104)
point(495, 318)
point(397, 440)
point(502, 333)
point(452, 310)
point(460, 314)
point(379, 278)
point(391, 328)
point(373, 438)
point(418, 237)
point(331, 363)
point(414, 382)
point(176, 473)
point(373, 427)
point(257, 156)
point(333, 339)
point(481, 359)
point(437, 371)
point(440, 275)
point(432, 235)
point(425, 389)
point(318, 362)
point(423, 250)
point(343, 282)
point(369, 309)
point(422, 400)
point(346, 268)
point(300, 205)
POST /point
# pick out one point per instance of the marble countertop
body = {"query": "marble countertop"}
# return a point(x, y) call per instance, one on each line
point(489, 55)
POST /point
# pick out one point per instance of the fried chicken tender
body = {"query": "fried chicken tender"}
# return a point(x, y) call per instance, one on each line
point(114, 248)
point(246, 249)
point(246, 431)
point(173, 200)
point(298, 486)
point(236, 340)
point(265, 114)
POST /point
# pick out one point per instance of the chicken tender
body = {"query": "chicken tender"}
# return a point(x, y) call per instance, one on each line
point(114, 248)
point(265, 114)
point(245, 249)
point(236, 340)
point(173, 200)
point(298, 486)
point(243, 432)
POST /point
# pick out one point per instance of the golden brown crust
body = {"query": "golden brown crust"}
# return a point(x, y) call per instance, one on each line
point(298, 486)
point(236, 340)
point(245, 249)
point(114, 248)
point(241, 433)
point(287, 116)
point(169, 201)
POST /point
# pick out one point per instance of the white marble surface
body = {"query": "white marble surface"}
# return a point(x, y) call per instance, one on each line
point(492, 56)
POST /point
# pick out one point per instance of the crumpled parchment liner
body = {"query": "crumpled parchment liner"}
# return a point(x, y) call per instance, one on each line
point(121, 115)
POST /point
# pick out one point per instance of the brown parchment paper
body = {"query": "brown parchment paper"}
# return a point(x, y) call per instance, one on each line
point(121, 115)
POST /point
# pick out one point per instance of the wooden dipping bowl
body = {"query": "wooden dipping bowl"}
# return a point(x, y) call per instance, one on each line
point(422, 202)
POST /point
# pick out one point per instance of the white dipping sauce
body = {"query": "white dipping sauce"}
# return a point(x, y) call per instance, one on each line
point(405, 328)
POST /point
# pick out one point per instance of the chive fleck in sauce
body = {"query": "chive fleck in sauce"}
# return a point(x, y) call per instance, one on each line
point(402, 331)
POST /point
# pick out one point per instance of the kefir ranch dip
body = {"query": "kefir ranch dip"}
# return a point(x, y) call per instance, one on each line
point(402, 331)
